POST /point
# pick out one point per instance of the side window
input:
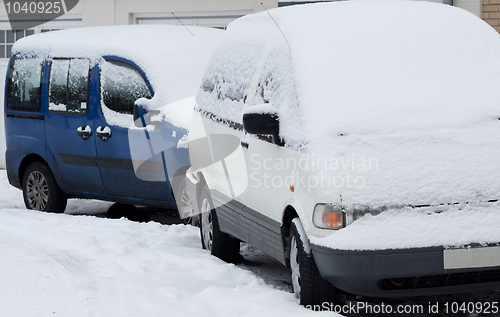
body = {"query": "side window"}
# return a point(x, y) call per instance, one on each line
point(267, 86)
point(121, 86)
point(24, 84)
point(276, 87)
point(69, 86)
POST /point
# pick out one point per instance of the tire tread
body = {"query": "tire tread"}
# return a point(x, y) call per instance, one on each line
point(224, 246)
point(315, 290)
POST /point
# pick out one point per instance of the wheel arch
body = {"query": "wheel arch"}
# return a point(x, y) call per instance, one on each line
point(288, 215)
point(290, 212)
point(199, 186)
point(27, 161)
point(181, 171)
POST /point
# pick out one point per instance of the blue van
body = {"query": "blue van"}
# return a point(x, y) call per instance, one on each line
point(81, 108)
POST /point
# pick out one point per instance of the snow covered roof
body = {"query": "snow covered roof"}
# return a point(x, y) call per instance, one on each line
point(172, 58)
point(406, 59)
point(411, 86)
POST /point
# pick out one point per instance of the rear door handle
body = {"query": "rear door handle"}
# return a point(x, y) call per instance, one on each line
point(84, 131)
point(244, 144)
point(103, 133)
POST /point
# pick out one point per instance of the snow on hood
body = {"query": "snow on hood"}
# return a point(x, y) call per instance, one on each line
point(411, 87)
point(170, 56)
point(458, 226)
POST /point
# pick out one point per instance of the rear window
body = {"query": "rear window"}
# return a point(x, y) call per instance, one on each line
point(24, 84)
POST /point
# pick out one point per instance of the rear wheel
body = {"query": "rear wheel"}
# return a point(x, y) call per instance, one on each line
point(219, 243)
point(40, 189)
point(308, 285)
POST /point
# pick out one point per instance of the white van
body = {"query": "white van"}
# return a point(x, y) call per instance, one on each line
point(357, 142)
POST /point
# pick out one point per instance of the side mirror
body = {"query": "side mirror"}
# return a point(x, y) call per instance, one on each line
point(143, 118)
point(263, 123)
point(140, 116)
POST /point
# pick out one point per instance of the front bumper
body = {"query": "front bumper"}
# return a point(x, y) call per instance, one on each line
point(407, 272)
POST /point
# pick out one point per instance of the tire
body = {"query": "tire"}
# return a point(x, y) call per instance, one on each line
point(308, 285)
point(184, 205)
point(40, 189)
point(219, 243)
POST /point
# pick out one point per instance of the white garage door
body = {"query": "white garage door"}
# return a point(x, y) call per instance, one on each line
point(7, 39)
point(473, 6)
point(206, 19)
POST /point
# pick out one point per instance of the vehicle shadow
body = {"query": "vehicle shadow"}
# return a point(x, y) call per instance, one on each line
point(117, 211)
point(266, 267)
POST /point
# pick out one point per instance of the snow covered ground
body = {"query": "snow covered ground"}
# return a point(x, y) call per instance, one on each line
point(81, 265)
point(75, 264)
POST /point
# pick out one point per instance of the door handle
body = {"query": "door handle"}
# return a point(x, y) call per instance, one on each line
point(84, 131)
point(244, 144)
point(103, 133)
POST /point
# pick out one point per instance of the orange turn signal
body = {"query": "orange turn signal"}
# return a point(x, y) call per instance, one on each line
point(328, 216)
point(332, 220)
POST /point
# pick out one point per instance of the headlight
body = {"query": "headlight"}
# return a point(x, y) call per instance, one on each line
point(329, 216)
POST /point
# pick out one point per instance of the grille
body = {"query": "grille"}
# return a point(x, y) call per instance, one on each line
point(441, 280)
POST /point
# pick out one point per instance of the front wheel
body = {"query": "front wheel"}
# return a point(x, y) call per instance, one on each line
point(307, 283)
point(40, 189)
point(219, 243)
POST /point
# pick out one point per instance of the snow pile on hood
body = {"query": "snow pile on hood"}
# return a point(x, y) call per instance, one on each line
point(170, 56)
point(412, 86)
point(457, 226)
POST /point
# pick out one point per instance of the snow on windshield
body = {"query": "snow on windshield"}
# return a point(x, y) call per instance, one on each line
point(264, 76)
point(408, 65)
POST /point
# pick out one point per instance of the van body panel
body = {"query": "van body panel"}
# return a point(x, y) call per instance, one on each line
point(74, 156)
